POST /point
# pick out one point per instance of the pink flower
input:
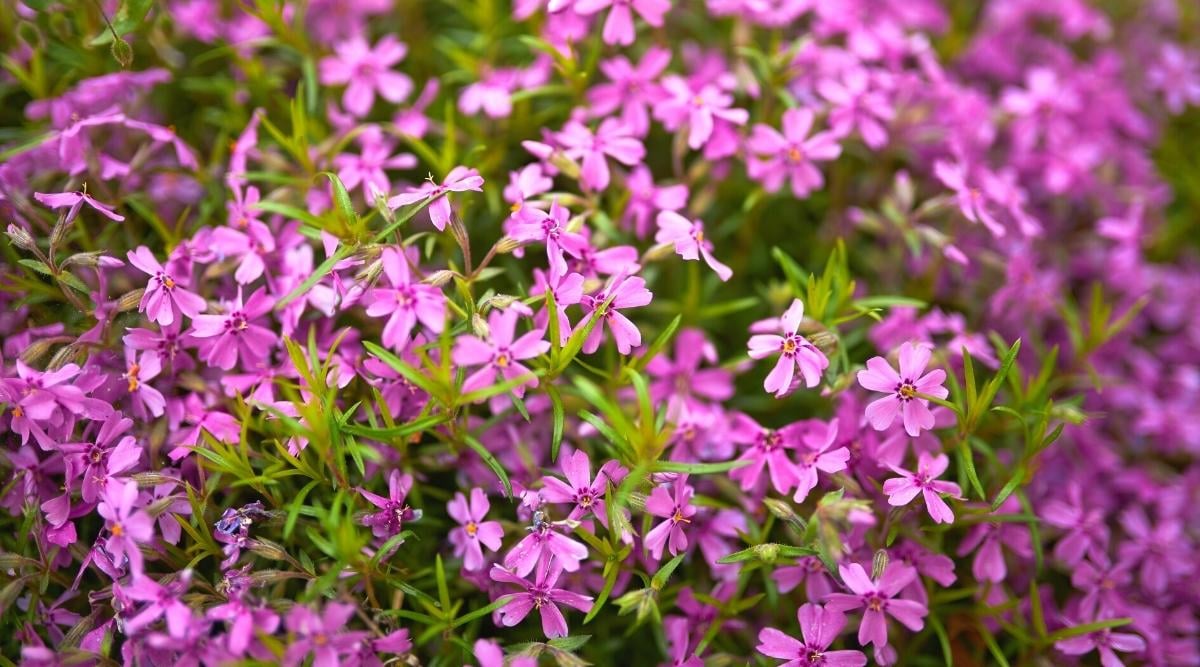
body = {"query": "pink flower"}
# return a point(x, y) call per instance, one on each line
point(618, 28)
point(531, 225)
point(127, 528)
point(366, 70)
point(790, 154)
point(795, 351)
point(541, 595)
point(973, 202)
point(544, 543)
point(369, 168)
point(820, 627)
point(473, 530)
point(235, 333)
point(676, 507)
point(628, 292)
point(489, 654)
point(612, 139)
point(699, 109)
point(98, 460)
point(904, 388)
point(768, 448)
point(460, 179)
point(75, 200)
point(243, 620)
point(321, 635)
point(902, 490)
point(855, 105)
point(585, 493)
point(879, 598)
point(393, 510)
point(164, 299)
point(633, 89)
point(501, 353)
point(567, 291)
point(646, 198)
point(164, 601)
point(405, 301)
point(1105, 642)
point(689, 240)
point(818, 455)
point(139, 372)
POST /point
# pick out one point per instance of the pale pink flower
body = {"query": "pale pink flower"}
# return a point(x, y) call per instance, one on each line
point(460, 179)
point(75, 200)
point(367, 70)
point(690, 242)
point(612, 139)
point(618, 28)
point(791, 153)
point(473, 533)
point(905, 388)
point(901, 490)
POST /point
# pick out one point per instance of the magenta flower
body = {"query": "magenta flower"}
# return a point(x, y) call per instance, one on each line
point(75, 200)
point(1084, 523)
point(460, 179)
point(699, 109)
point(632, 91)
point(138, 373)
point(618, 27)
point(794, 351)
point(127, 528)
point(235, 333)
point(405, 301)
point(689, 240)
point(820, 627)
point(473, 531)
point(489, 654)
point(542, 544)
point(586, 493)
point(164, 300)
point(322, 635)
point(625, 292)
point(531, 224)
point(243, 619)
point(612, 139)
point(857, 106)
point(879, 598)
point(818, 453)
point(393, 510)
point(502, 352)
point(676, 507)
point(768, 447)
point(646, 199)
point(901, 490)
point(790, 154)
point(365, 71)
point(986, 539)
point(567, 291)
point(1105, 642)
point(541, 595)
point(904, 388)
point(252, 242)
point(972, 201)
point(369, 167)
point(100, 460)
point(164, 601)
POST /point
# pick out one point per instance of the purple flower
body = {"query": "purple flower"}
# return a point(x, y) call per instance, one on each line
point(164, 601)
point(406, 301)
point(1159, 548)
point(904, 388)
point(489, 654)
point(473, 531)
point(366, 70)
point(235, 332)
point(502, 352)
point(633, 89)
point(368, 168)
point(790, 154)
point(531, 224)
point(646, 198)
point(902, 490)
point(768, 447)
point(460, 179)
point(818, 453)
point(75, 200)
point(618, 28)
point(243, 620)
point(879, 598)
point(164, 299)
point(855, 105)
point(700, 110)
point(986, 539)
point(974, 203)
point(820, 627)
point(794, 351)
point(541, 595)
point(676, 507)
point(127, 528)
point(542, 544)
point(585, 493)
point(612, 139)
point(1105, 642)
point(678, 633)
point(101, 460)
point(1085, 526)
point(689, 240)
point(138, 373)
point(393, 510)
point(320, 635)
point(625, 292)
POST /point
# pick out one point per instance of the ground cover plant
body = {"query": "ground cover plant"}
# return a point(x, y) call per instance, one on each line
point(638, 332)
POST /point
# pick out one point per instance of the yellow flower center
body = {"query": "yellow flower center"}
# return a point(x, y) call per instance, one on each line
point(472, 528)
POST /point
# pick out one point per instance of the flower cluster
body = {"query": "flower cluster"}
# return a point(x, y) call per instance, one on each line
point(788, 332)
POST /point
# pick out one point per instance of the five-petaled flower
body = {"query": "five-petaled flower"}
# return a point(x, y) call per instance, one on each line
point(406, 301)
point(820, 627)
point(164, 299)
point(460, 179)
point(905, 387)
point(542, 595)
point(473, 532)
point(689, 240)
point(901, 490)
point(879, 598)
point(366, 70)
point(794, 351)
point(675, 506)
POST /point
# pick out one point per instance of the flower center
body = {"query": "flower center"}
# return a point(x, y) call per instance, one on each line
point(790, 345)
point(17, 412)
point(503, 360)
point(472, 528)
point(132, 376)
point(678, 516)
point(586, 499)
point(794, 154)
point(875, 603)
point(167, 281)
point(906, 390)
point(117, 530)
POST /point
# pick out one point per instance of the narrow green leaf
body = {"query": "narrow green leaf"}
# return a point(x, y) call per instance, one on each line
point(490, 461)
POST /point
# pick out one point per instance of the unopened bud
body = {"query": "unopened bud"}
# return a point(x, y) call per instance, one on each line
point(767, 553)
point(381, 205)
point(879, 563)
point(566, 165)
point(21, 238)
point(370, 273)
point(439, 277)
point(500, 301)
point(81, 258)
point(783, 511)
point(130, 300)
point(35, 351)
point(66, 355)
point(60, 230)
point(123, 52)
point(658, 253)
point(147, 480)
point(826, 342)
point(641, 603)
point(480, 326)
point(507, 245)
point(268, 549)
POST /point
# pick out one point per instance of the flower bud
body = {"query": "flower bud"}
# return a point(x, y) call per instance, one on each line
point(21, 238)
point(566, 165)
point(767, 553)
point(480, 326)
point(658, 253)
point(783, 511)
point(268, 549)
point(130, 300)
point(879, 563)
point(439, 277)
point(641, 603)
point(500, 301)
point(64, 356)
point(507, 245)
point(35, 350)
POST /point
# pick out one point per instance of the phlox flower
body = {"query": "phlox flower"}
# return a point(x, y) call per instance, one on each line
point(820, 627)
point(818, 453)
point(473, 532)
point(618, 27)
point(901, 490)
point(543, 595)
point(631, 90)
point(369, 167)
point(406, 301)
point(126, 526)
point(586, 493)
point(675, 506)
point(460, 179)
point(790, 154)
point(139, 371)
point(678, 633)
point(689, 240)
point(164, 601)
point(1105, 642)
point(767, 447)
point(366, 70)
point(75, 200)
point(986, 539)
point(857, 106)
point(489, 654)
point(532, 225)
point(164, 300)
point(542, 544)
point(393, 510)
point(501, 353)
point(624, 292)
point(879, 598)
point(700, 109)
point(904, 388)
point(612, 139)
point(529, 181)
point(101, 459)
point(243, 619)
point(234, 334)
point(321, 635)
point(972, 201)
point(794, 351)
point(646, 199)
point(567, 290)
point(1086, 531)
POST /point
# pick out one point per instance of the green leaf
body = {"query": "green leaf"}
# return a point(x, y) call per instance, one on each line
point(1086, 628)
point(490, 461)
point(343, 251)
point(699, 468)
point(659, 343)
point(559, 419)
point(883, 301)
point(479, 613)
point(341, 201)
point(966, 459)
point(664, 572)
point(420, 380)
